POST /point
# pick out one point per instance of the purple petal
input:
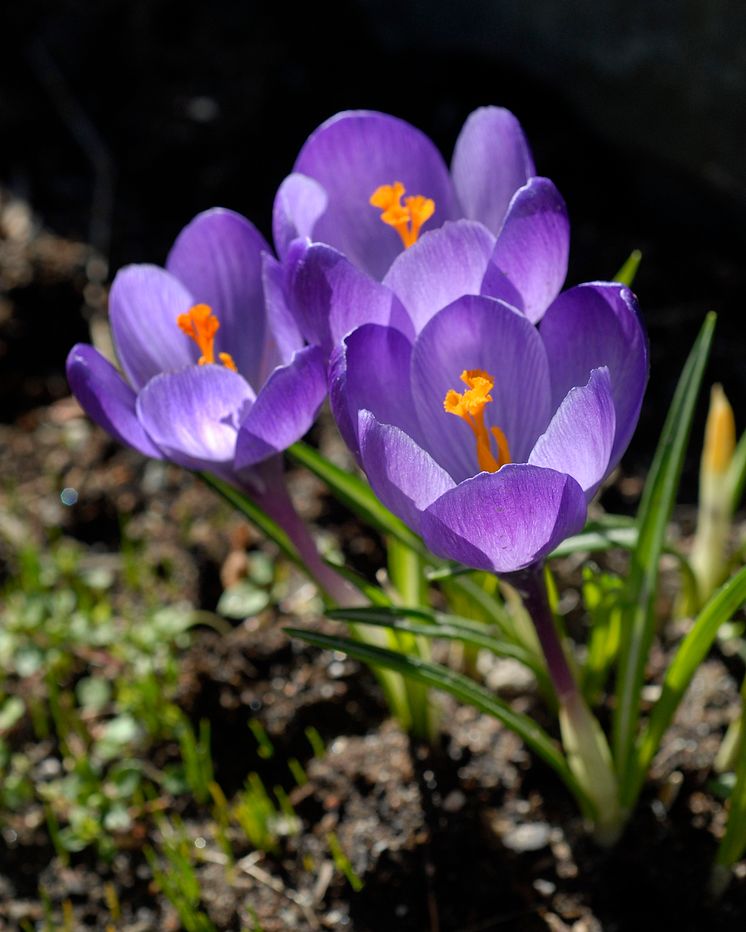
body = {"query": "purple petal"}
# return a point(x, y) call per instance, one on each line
point(480, 333)
point(370, 371)
point(144, 303)
point(440, 267)
point(106, 398)
point(580, 436)
point(218, 256)
point(532, 247)
point(299, 203)
point(401, 473)
point(353, 154)
point(284, 409)
point(194, 415)
point(496, 284)
point(490, 162)
point(330, 297)
point(596, 325)
point(506, 520)
point(284, 338)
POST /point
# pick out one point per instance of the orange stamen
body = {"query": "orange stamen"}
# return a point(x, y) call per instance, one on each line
point(470, 406)
point(201, 325)
point(407, 218)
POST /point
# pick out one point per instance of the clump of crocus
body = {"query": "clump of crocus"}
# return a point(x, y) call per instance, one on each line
point(216, 376)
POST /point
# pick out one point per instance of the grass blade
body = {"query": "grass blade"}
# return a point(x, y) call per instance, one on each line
point(654, 512)
point(450, 628)
point(689, 656)
point(736, 477)
point(733, 843)
point(463, 689)
point(628, 272)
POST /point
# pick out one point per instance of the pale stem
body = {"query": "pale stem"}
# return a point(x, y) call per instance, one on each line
point(275, 500)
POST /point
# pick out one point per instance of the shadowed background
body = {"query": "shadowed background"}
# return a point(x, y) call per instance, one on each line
point(121, 120)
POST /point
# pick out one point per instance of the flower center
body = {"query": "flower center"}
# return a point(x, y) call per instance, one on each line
point(470, 406)
point(406, 218)
point(201, 325)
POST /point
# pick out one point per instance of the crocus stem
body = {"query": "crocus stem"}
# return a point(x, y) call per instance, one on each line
point(275, 500)
point(583, 740)
point(532, 587)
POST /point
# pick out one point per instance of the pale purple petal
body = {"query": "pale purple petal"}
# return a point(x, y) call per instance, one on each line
point(370, 370)
point(284, 409)
point(329, 297)
point(496, 284)
point(580, 436)
point(401, 473)
point(106, 398)
point(299, 203)
point(218, 256)
point(596, 325)
point(491, 161)
point(532, 248)
point(194, 415)
point(506, 520)
point(144, 304)
point(353, 154)
point(480, 333)
point(440, 267)
point(284, 337)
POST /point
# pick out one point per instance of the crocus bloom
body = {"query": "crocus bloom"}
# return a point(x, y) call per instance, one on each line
point(486, 434)
point(524, 265)
point(217, 375)
point(369, 184)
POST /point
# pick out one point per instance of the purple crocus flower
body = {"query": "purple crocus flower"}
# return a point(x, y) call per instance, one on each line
point(368, 184)
point(217, 375)
point(497, 474)
point(524, 265)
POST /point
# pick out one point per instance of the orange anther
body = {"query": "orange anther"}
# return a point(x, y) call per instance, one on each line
point(407, 218)
point(201, 325)
point(469, 406)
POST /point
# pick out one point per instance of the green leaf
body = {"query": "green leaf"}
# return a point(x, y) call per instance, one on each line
point(594, 538)
point(449, 627)
point(690, 654)
point(93, 693)
point(736, 476)
point(733, 845)
point(653, 515)
point(11, 712)
point(628, 272)
point(268, 526)
point(462, 688)
point(357, 495)
point(372, 593)
point(242, 600)
point(598, 537)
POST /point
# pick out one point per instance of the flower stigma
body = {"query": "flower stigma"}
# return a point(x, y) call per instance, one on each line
point(470, 406)
point(407, 218)
point(201, 325)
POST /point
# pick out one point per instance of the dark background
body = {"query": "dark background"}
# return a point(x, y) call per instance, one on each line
point(120, 120)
